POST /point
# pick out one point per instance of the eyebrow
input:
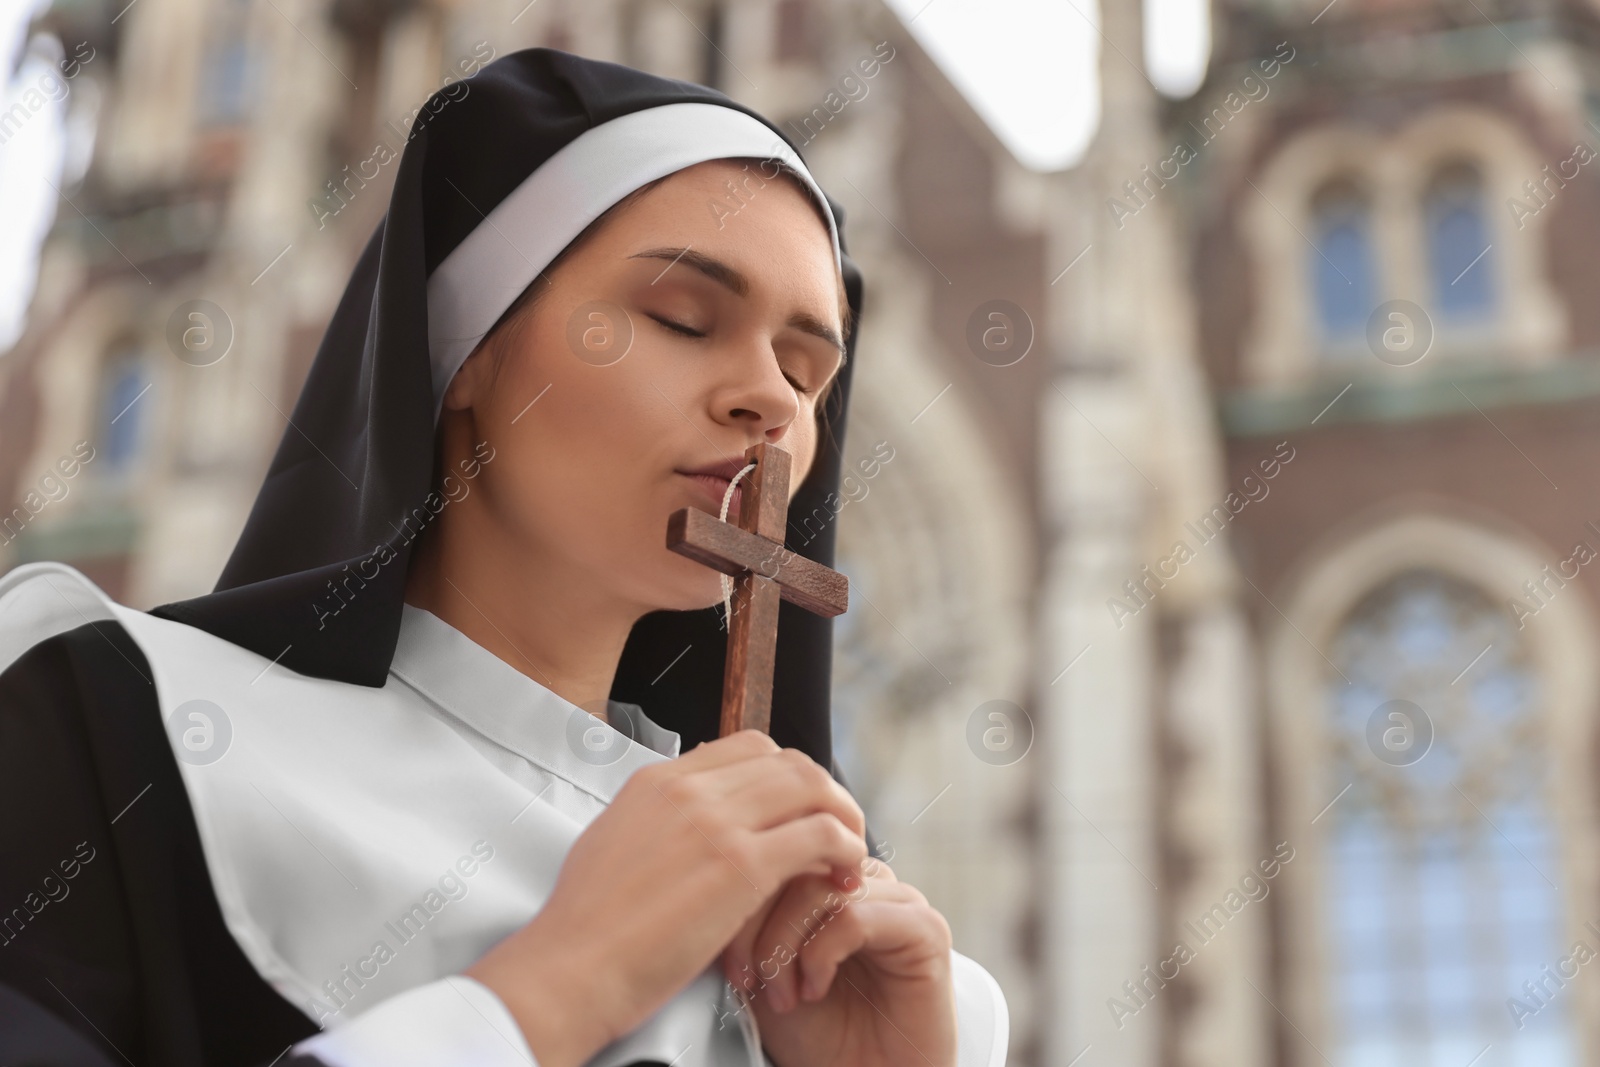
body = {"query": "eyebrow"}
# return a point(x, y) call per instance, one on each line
point(732, 279)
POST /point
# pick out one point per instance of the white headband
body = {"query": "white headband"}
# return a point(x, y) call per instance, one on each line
point(488, 270)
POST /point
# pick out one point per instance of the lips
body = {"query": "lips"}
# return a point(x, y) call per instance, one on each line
point(714, 488)
point(723, 468)
point(713, 479)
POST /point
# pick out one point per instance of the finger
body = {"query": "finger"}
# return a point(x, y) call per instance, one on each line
point(798, 915)
point(780, 791)
point(790, 904)
point(902, 934)
point(812, 844)
point(871, 868)
point(735, 748)
point(773, 934)
point(776, 788)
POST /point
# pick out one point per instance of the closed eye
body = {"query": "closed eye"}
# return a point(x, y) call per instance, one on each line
point(689, 331)
point(678, 327)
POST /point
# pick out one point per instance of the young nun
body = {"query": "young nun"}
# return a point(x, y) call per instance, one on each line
point(433, 776)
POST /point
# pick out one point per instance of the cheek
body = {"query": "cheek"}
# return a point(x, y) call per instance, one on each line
point(577, 417)
point(571, 466)
point(580, 473)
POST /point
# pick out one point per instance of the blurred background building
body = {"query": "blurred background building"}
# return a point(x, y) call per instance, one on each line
point(1222, 656)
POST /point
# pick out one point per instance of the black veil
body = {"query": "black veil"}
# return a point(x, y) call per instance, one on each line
point(358, 454)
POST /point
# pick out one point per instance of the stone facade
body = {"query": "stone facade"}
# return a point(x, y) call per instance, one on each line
point(1083, 689)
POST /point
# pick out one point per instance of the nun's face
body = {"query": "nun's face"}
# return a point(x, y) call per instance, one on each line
point(732, 304)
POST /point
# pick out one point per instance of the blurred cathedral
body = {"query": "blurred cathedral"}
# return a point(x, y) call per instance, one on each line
point(1221, 659)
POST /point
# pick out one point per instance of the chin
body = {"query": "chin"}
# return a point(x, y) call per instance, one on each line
point(705, 596)
point(687, 602)
point(689, 586)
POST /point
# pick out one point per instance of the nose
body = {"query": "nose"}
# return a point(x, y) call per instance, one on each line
point(757, 397)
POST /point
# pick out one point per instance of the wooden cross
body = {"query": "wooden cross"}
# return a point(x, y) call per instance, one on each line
point(764, 571)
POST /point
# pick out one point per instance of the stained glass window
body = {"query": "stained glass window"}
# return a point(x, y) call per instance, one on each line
point(1442, 873)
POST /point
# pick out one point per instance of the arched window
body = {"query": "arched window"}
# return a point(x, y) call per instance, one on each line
point(1461, 258)
point(1342, 264)
point(1441, 868)
point(123, 406)
point(231, 66)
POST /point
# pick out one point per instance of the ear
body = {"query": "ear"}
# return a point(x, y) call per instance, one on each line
point(467, 385)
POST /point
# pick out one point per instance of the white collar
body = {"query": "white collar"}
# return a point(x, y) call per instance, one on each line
point(515, 711)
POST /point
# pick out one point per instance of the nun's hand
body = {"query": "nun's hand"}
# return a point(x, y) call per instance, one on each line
point(849, 971)
point(660, 882)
